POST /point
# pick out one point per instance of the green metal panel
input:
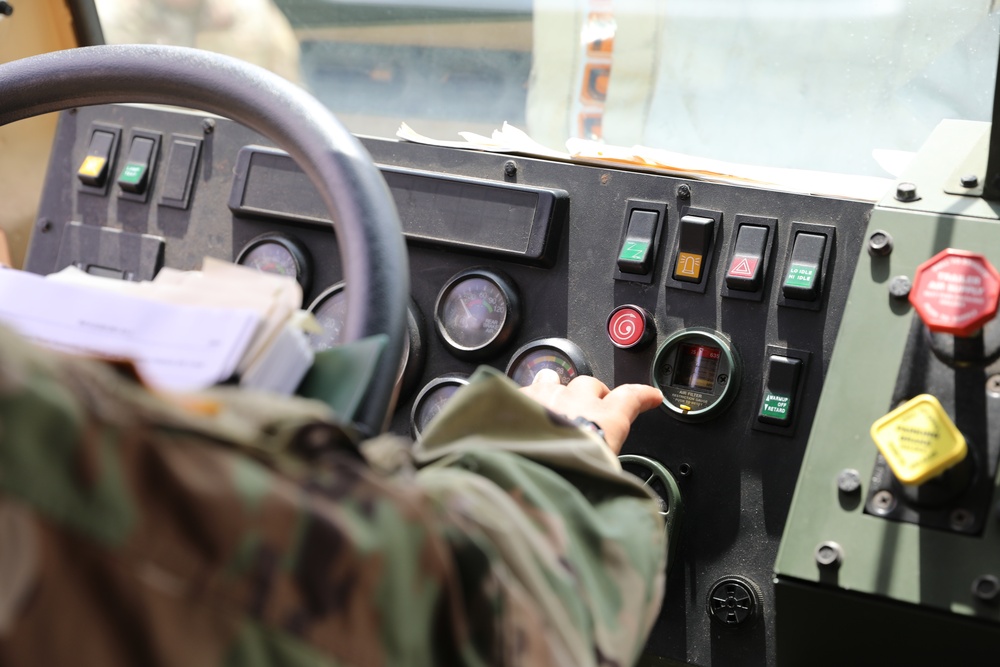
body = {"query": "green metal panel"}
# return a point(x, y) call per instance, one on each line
point(897, 560)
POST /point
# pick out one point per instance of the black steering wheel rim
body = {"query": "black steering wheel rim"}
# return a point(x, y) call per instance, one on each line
point(369, 234)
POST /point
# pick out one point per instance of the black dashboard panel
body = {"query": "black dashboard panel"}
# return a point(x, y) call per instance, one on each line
point(735, 471)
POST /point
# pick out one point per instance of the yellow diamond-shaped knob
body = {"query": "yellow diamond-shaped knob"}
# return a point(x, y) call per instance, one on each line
point(918, 440)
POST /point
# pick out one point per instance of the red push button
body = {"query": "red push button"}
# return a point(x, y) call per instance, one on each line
point(630, 326)
point(956, 292)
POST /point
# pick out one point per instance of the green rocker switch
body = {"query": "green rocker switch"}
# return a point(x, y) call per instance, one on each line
point(636, 253)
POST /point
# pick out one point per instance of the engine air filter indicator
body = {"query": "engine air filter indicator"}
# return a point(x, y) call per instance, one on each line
point(698, 372)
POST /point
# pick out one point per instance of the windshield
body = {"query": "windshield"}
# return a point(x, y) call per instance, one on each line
point(804, 84)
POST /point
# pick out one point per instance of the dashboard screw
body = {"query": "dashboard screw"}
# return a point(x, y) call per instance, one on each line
point(880, 244)
point(884, 502)
point(986, 588)
point(961, 519)
point(509, 168)
point(684, 191)
point(829, 555)
point(208, 125)
point(906, 192)
point(44, 225)
point(900, 286)
point(969, 181)
point(993, 385)
point(849, 481)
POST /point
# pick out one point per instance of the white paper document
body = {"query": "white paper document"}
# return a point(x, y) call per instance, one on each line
point(174, 346)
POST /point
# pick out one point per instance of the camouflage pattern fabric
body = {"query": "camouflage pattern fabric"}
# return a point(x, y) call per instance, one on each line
point(229, 528)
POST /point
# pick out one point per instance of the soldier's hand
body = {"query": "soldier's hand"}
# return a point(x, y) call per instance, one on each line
point(613, 410)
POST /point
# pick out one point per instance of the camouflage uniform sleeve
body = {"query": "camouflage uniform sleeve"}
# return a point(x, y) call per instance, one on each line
point(242, 530)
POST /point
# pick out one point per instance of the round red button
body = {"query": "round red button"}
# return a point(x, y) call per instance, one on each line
point(629, 326)
point(956, 292)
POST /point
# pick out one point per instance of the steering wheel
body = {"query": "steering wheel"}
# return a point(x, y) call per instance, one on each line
point(369, 234)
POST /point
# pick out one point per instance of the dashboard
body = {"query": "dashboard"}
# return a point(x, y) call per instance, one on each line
point(729, 298)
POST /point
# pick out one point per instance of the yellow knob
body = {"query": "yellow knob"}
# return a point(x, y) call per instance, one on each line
point(918, 440)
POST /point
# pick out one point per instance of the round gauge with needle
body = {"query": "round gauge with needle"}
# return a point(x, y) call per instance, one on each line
point(557, 354)
point(477, 313)
point(432, 398)
point(278, 253)
point(330, 310)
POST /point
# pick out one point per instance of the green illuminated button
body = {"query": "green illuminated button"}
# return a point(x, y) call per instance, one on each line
point(635, 256)
point(804, 277)
point(134, 176)
point(634, 251)
point(780, 388)
point(801, 275)
point(918, 440)
point(776, 407)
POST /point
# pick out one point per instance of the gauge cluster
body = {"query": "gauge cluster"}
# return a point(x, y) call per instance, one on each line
point(727, 298)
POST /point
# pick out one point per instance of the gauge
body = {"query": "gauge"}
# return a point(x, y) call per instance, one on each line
point(330, 310)
point(658, 479)
point(698, 372)
point(557, 354)
point(432, 398)
point(477, 313)
point(278, 253)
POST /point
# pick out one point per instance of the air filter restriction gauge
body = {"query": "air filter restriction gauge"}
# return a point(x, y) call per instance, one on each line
point(698, 372)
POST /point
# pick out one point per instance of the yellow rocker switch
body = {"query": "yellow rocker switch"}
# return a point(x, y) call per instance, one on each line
point(918, 440)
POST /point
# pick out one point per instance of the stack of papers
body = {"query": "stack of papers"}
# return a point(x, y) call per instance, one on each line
point(183, 330)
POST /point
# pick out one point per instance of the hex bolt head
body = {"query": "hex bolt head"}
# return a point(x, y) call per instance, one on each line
point(906, 192)
point(969, 181)
point(849, 480)
point(684, 191)
point(509, 168)
point(880, 244)
point(829, 555)
point(208, 125)
point(900, 286)
point(986, 588)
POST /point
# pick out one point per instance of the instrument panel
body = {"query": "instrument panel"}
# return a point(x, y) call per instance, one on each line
point(728, 298)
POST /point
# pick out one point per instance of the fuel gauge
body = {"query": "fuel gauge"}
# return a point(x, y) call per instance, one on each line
point(477, 313)
point(558, 354)
point(278, 253)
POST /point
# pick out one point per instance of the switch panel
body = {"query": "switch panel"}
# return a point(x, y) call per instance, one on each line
point(781, 397)
point(746, 266)
point(96, 165)
point(639, 244)
point(749, 259)
point(696, 235)
point(136, 176)
point(636, 253)
point(804, 274)
point(780, 387)
point(182, 163)
point(693, 250)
